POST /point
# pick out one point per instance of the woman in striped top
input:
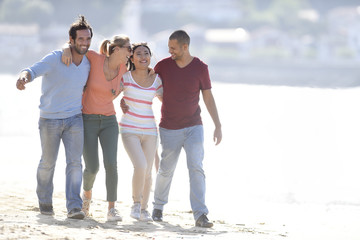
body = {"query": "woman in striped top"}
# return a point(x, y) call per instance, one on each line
point(138, 127)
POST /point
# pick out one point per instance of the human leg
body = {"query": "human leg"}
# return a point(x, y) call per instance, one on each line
point(50, 134)
point(90, 152)
point(141, 150)
point(108, 137)
point(132, 145)
point(195, 154)
point(149, 146)
point(172, 142)
point(91, 158)
point(157, 161)
point(73, 139)
point(133, 148)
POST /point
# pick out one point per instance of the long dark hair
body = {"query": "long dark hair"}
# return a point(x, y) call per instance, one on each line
point(135, 46)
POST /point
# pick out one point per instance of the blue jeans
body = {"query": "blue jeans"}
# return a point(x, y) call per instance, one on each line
point(70, 131)
point(172, 141)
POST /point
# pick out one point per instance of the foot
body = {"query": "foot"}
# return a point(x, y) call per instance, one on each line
point(157, 215)
point(76, 213)
point(46, 209)
point(203, 221)
point(113, 215)
point(145, 216)
point(135, 211)
point(86, 205)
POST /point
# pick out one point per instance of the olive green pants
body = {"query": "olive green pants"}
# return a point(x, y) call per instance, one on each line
point(103, 129)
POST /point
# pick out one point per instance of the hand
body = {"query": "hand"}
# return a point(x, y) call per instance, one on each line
point(217, 135)
point(123, 106)
point(151, 71)
point(20, 83)
point(66, 57)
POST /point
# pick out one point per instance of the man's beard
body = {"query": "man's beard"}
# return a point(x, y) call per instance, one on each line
point(80, 50)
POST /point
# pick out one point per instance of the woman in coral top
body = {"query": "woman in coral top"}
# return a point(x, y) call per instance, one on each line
point(100, 124)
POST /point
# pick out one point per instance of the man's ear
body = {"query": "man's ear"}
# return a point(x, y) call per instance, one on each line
point(71, 40)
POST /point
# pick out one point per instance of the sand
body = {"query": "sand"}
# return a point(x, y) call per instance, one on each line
point(20, 217)
point(286, 169)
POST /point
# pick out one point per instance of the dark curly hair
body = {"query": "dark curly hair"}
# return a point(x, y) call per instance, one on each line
point(79, 24)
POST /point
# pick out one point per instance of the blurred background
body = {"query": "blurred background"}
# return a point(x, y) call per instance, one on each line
point(284, 42)
point(285, 78)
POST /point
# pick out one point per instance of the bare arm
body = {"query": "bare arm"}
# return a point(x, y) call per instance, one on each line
point(151, 71)
point(23, 79)
point(124, 107)
point(66, 57)
point(160, 89)
point(211, 107)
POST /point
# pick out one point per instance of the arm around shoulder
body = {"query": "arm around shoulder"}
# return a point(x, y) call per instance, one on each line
point(66, 56)
point(159, 89)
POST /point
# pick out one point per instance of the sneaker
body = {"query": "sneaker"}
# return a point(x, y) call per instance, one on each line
point(157, 215)
point(76, 213)
point(145, 216)
point(135, 211)
point(203, 221)
point(86, 205)
point(113, 215)
point(46, 209)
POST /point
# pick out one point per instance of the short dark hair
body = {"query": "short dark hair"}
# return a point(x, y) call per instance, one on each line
point(181, 36)
point(79, 24)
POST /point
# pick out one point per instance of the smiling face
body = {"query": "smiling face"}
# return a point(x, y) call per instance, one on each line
point(82, 42)
point(121, 53)
point(176, 50)
point(141, 57)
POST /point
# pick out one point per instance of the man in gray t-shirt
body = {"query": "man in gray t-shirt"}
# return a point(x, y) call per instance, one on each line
point(61, 118)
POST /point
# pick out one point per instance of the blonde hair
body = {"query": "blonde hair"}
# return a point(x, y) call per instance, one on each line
point(107, 46)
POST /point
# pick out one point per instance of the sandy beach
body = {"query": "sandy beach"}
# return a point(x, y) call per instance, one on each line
point(287, 169)
point(20, 217)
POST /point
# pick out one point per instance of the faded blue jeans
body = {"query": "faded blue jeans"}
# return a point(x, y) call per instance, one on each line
point(71, 132)
point(172, 141)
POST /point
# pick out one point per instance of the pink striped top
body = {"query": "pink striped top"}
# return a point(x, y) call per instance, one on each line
point(140, 117)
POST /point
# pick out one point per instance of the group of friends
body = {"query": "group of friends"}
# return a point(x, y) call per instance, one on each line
point(76, 107)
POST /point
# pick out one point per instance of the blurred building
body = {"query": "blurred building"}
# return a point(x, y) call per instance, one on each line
point(217, 29)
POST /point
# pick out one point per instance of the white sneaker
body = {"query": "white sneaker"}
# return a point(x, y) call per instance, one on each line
point(113, 215)
point(145, 216)
point(135, 211)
